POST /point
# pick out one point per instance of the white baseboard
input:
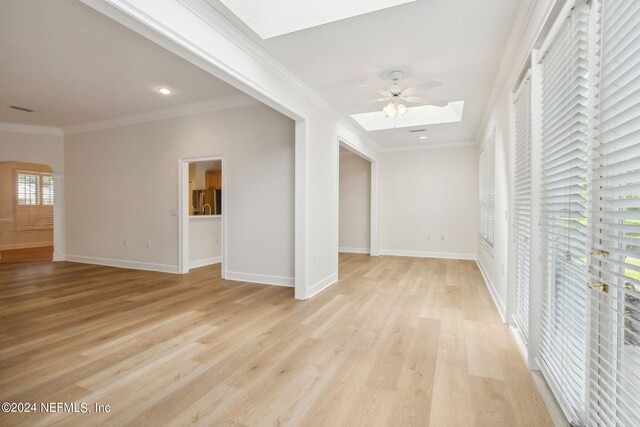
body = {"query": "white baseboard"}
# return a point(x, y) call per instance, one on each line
point(494, 294)
point(120, 263)
point(318, 287)
point(556, 410)
point(423, 254)
point(57, 256)
point(263, 279)
point(520, 343)
point(347, 250)
point(10, 246)
point(206, 261)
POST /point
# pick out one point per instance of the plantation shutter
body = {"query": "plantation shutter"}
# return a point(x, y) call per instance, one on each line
point(33, 201)
point(47, 200)
point(522, 207)
point(614, 365)
point(487, 193)
point(563, 211)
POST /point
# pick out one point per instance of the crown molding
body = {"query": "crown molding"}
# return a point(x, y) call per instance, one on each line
point(20, 128)
point(226, 103)
point(422, 147)
point(515, 39)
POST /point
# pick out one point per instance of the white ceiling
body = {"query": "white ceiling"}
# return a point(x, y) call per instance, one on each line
point(73, 65)
point(456, 42)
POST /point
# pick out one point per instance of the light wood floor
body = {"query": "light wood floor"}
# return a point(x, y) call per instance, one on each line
point(397, 342)
point(43, 253)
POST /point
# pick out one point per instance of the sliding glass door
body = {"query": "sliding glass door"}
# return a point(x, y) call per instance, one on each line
point(563, 212)
point(614, 350)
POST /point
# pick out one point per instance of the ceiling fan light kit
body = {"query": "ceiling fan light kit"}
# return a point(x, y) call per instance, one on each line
point(393, 109)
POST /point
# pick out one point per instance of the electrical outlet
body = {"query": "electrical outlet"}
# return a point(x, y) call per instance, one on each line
point(148, 244)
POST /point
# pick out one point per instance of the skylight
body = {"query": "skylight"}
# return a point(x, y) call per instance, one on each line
point(271, 18)
point(415, 116)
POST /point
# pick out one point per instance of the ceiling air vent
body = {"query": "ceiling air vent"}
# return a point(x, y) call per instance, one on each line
point(15, 107)
point(417, 130)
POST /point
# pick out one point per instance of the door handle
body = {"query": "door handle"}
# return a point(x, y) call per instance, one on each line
point(599, 286)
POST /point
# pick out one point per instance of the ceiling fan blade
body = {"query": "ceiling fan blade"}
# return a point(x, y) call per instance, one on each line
point(425, 101)
point(378, 100)
point(375, 89)
point(413, 99)
point(422, 86)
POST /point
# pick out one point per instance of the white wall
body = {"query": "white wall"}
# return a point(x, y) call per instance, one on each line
point(205, 241)
point(40, 145)
point(122, 184)
point(495, 266)
point(427, 194)
point(355, 203)
point(46, 148)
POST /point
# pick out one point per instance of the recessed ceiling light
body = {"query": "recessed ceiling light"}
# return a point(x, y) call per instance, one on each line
point(423, 137)
point(165, 90)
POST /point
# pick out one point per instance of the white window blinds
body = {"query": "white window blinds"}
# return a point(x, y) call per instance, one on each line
point(487, 193)
point(563, 213)
point(614, 368)
point(522, 207)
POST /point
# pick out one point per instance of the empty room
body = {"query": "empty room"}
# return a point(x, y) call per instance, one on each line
point(320, 213)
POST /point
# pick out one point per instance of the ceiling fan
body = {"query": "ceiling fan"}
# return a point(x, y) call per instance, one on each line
point(396, 94)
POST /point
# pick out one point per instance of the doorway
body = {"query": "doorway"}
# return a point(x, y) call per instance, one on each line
point(202, 209)
point(26, 212)
point(358, 203)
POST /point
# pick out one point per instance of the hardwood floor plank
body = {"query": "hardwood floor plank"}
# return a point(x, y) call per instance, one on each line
point(451, 388)
point(482, 355)
point(489, 402)
point(412, 402)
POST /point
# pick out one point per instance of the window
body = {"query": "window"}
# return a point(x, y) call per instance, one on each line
point(563, 212)
point(34, 201)
point(614, 350)
point(522, 207)
point(28, 189)
point(487, 193)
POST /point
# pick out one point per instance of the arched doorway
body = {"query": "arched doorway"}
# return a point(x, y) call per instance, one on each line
point(26, 212)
